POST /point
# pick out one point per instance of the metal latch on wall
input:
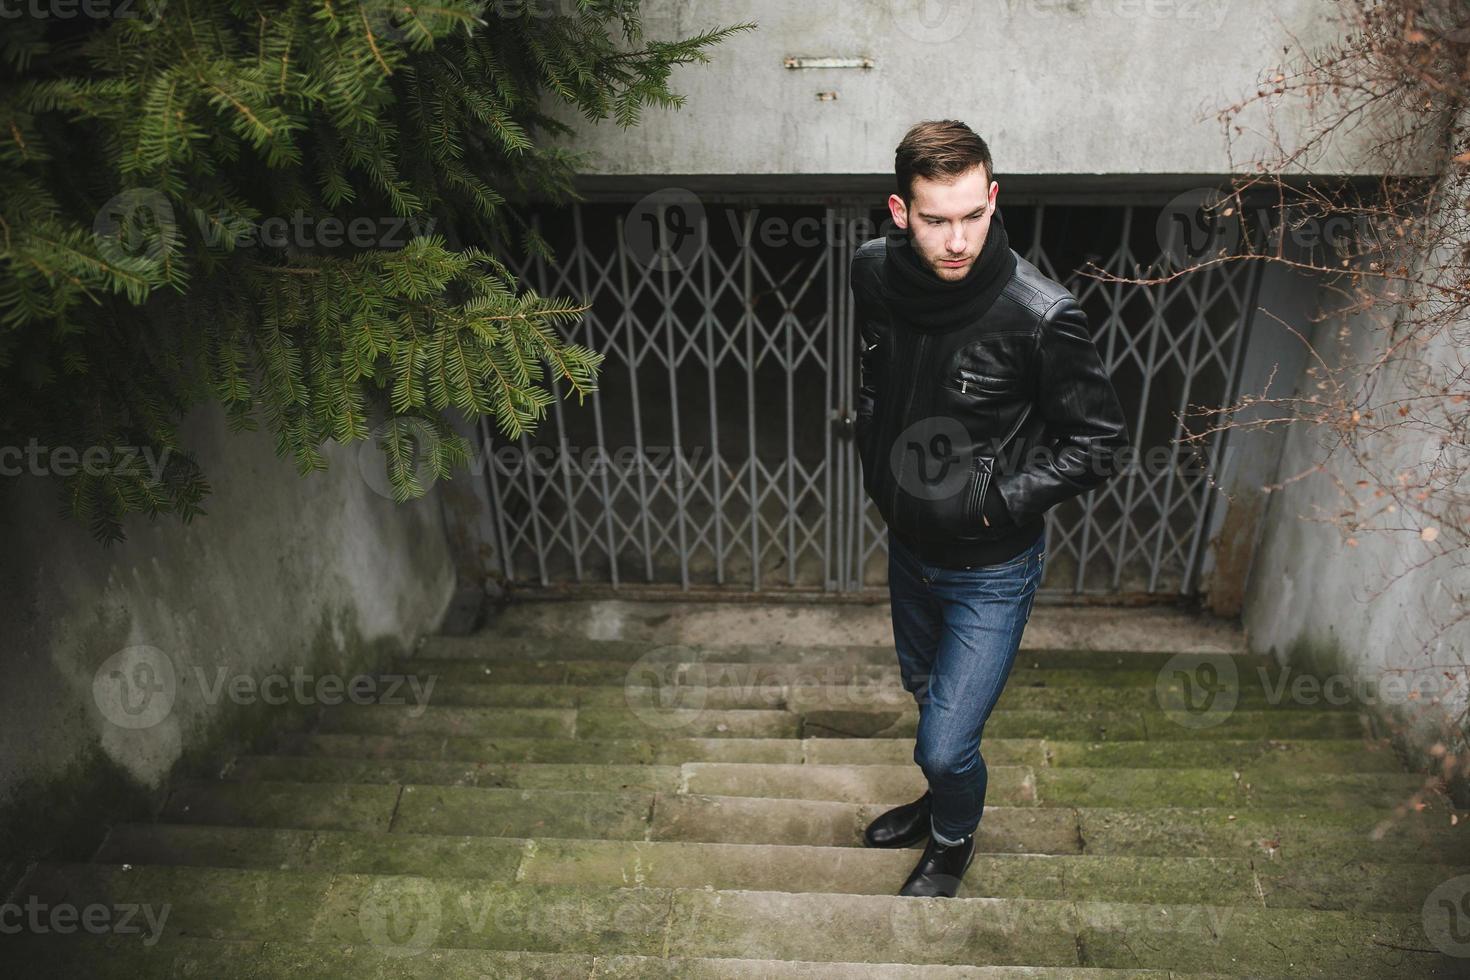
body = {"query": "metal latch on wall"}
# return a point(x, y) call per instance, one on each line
point(829, 62)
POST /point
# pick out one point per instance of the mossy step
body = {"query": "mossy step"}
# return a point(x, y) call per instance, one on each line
point(1013, 785)
point(1318, 755)
point(1335, 884)
point(754, 676)
point(494, 648)
point(410, 913)
point(884, 695)
point(1098, 725)
point(516, 775)
point(181, 956)
point(1347, 833)
point(634, 722)
point(671, 751)
point(407, 718)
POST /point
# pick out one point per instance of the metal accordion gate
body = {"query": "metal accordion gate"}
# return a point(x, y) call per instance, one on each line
point(716, 455)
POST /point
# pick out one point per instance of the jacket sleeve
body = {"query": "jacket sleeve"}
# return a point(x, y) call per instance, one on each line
point(1085, 430)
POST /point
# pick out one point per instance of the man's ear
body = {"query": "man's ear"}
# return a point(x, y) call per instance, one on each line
point(898, 211)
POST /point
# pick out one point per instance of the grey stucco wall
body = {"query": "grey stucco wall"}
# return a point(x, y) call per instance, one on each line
point(318, 575)
point(1057, 87)
point(1370, 616)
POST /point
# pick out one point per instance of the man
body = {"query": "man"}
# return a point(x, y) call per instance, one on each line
point(982, 403)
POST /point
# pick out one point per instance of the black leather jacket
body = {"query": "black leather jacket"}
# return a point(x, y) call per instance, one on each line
point(968, 436)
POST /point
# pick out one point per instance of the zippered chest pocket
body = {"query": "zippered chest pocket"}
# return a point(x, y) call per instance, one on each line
point(994, 367)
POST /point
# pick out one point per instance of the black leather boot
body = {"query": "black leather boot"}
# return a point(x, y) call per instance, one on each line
point(940, 869)
point(901, 826)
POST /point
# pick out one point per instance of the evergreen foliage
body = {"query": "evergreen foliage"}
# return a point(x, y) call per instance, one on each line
point(170, 177)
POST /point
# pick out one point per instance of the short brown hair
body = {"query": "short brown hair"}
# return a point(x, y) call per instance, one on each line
point(938, 149)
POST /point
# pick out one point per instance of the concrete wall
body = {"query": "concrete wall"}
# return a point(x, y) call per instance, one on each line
point(1057, 87)
point(1364, 614)
point(284, 576)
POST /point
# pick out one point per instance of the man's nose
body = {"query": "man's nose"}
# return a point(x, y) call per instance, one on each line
point(956, 242)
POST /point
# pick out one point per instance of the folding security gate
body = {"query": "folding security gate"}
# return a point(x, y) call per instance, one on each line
point(718, 452)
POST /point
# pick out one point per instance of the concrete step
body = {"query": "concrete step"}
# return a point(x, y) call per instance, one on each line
point(875, 695)
point(1011, 785)
point(1355, 755)
point(495, 649)
point(1297, 832)
point(1345, 886)
point(410, 913)
point(753, 676)
point(184, 956)
point(633, 722)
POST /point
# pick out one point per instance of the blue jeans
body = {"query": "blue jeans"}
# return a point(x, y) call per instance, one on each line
point(957, 632)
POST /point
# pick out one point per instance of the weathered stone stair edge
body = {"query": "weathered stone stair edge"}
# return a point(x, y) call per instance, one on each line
point(1415, 837)
point(633, 722)
point(430, 688)
point(1352, 755)
point(807, 672)
point(1247, 786)
point(235, 959)
point(775, 867)
point(658, 921)
point(491, 647)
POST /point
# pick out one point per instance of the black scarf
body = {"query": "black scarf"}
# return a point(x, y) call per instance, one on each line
point(925, 302)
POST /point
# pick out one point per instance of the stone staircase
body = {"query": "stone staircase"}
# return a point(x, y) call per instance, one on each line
point(613, 808)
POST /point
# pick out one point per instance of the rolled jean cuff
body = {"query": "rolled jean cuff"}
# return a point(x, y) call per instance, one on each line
point(946, 841)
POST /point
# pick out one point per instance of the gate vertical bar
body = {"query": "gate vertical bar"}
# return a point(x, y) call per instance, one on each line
point(561, 435)
point(1089, 512)
point(535, 501)
point(828, 461)
point(633, 357)
point(666, 318)
point(1156, 304)
point(788, 319)
point(748, 301)
point(711, 324)
point(607, 509)
point(1115, 333)
point(1198, 325)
